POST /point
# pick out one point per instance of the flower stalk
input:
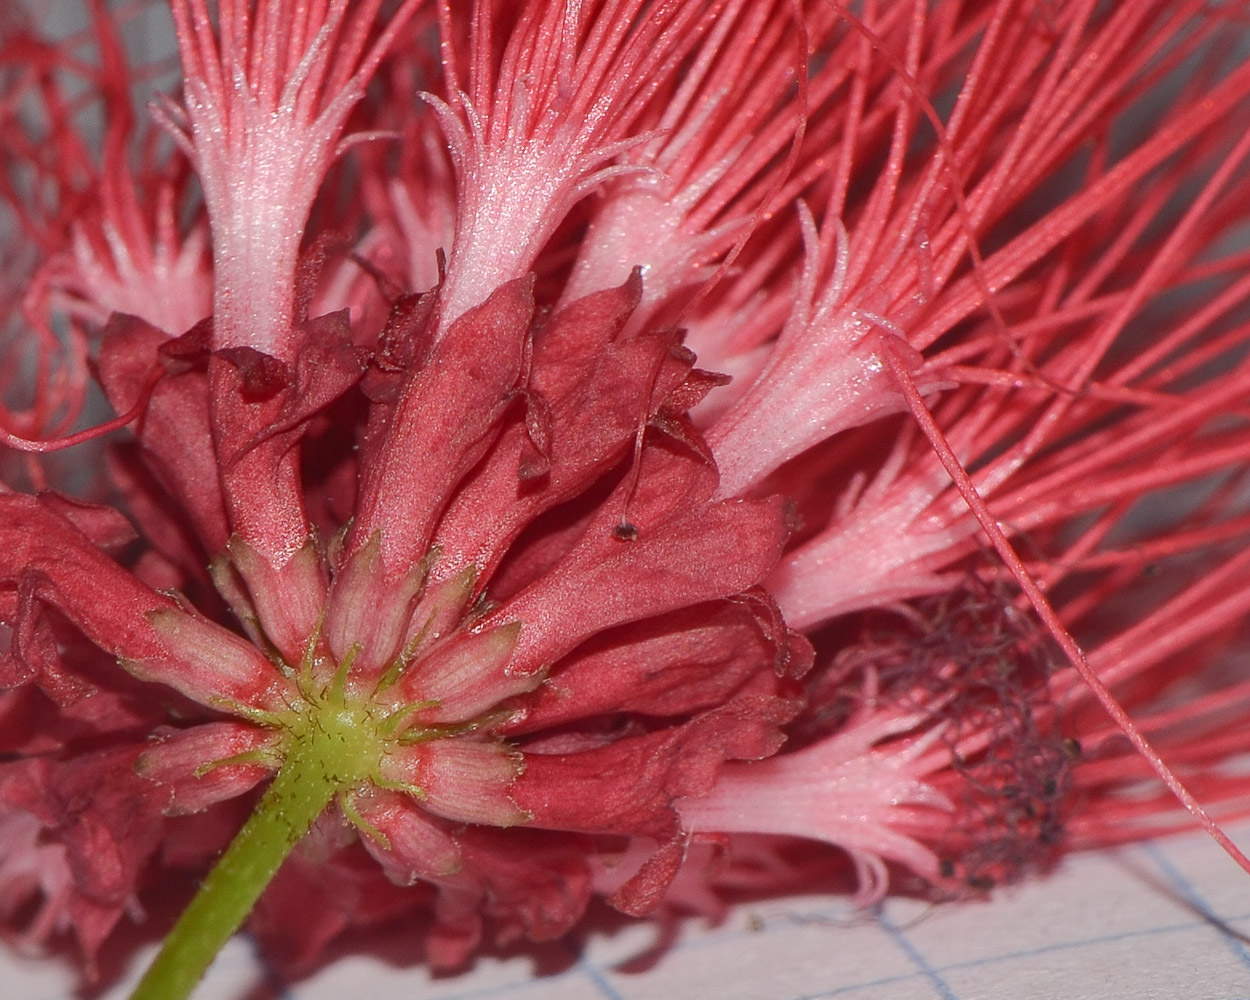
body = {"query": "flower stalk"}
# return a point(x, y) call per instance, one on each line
point(300, 792)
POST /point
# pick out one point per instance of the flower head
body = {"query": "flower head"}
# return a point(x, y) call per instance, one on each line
point(445, 550)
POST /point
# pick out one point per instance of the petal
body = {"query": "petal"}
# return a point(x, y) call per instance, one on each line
point(259, 470)
point(467, 675)
point(418, 845)
point(681, 551)
point(34, 654)
point(537, 884)
point(530, 883)
point(288, 598)
point(105, 527)
point(166, 527)
point(597, 391)
point(645, 889)
point(106, 818)
point(174, 430)
point(442, 424)
point(464, 779)
point(628, 786)
point(370, 611)
point(672, 665)
point(844, 790)
point(37, 888)
point(43, 552)
point(261, 407)
point(186, 764)
point(210, 664)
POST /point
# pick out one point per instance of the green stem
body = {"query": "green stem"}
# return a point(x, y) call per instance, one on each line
point(297, 796)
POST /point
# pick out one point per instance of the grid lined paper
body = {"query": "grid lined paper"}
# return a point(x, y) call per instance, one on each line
point(1161, 921)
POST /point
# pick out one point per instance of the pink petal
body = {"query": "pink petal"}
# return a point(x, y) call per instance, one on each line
point(463, 779)
point(535, 884)
point(443, 422)
point(683, 551)
point(106, 819)
point(211, 665)
point(311, 901)
point(597, 391)
point(261, 407)
point(174, 430)
point(467, 675)
point(673, 665)
point(628, 786)
point(105, 527)
point(34, 653)
point(65, 569)
point(841, 790)
point(646, 888)
point(175, 760)
point(259, 469)
point(288, 599)
point(369, 610)
point(418, 845)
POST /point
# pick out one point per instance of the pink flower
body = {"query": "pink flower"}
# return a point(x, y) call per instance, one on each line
point(443, 549)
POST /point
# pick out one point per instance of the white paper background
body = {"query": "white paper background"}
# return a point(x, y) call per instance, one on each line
point(1163, 921)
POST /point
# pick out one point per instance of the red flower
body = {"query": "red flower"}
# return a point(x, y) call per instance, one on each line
point(500, 584)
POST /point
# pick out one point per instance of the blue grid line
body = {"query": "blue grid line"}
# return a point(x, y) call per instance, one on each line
point(931, 969)
point(867, 985)
point(1025, 953)
point(1086, 942)
point(1007, 956)
point(923, 969)
point(600, 980)
point(1191, 895)
point(904, 942)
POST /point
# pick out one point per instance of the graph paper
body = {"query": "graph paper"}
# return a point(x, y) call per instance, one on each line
point(1162, 921)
